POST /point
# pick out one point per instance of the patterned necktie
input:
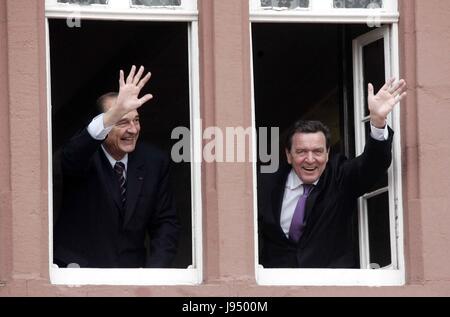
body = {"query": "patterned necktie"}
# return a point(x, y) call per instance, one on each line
point(119, 168)
point(297, 226)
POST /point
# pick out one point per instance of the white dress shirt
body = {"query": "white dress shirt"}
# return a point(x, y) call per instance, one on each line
point(98, 132)
point(292, 192)
point(294, 186)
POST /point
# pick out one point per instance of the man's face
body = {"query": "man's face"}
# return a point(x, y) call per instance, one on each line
point(124, 135)
point(308, 155)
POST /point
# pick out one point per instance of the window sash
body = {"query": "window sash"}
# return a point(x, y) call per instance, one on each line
point(193, 275)
point(317, 5)
point(360, 140)
point(324, 11)
point(123, 10)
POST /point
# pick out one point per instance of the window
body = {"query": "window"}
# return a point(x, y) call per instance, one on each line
point(287, 4)
point(83, 2)
point(358, 4)
point(318, 60)
point(339, 11)
point(377, 212)
point(83, 63)
point(155, 3)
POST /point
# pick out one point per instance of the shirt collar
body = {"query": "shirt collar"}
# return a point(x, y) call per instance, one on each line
point(112, 161)
point(294, 181)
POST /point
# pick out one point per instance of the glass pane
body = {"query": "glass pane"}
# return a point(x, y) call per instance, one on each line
point(379, 231)
point(369, 4)
point(290, 4)
point(155, 3)
point(374, 70)
point(84, 2)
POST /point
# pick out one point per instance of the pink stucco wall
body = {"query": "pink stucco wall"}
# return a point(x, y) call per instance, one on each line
point(227, 188)
point(433, 99)
point(5, 167)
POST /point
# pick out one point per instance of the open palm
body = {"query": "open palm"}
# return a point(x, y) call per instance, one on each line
point(129, 90)
point(381, 104)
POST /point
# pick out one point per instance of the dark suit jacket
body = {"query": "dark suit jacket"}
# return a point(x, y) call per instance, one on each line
point(326, 241)
point(93, 229)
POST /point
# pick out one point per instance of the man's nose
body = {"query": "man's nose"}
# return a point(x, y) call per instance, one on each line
point(309, 157)
point(132, 128)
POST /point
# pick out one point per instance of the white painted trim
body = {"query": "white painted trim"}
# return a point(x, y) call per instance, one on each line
point(397, 157)
point(330, 277)
point(196, 151)
point(387, 276)
point(390, 55)
point(376, 193)
point(255, 160)
point(360, 132)
point(322, 11)
point(322, 17)
point(78, 277)
point(163, 15)
point(186, 5)
point(190, 276)
point(49, 148)
point(116, 10)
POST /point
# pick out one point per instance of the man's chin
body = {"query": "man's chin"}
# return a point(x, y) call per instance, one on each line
point(128, 148)
point(308, 179)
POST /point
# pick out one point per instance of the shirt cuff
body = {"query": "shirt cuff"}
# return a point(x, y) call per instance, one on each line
point(96, 128)
point(379, 134)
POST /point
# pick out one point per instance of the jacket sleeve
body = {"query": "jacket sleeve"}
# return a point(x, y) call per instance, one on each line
point(78, 152)
point(163, 227)
point(362, 172)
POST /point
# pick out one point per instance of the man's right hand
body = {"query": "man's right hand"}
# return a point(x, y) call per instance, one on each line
point(128, 98)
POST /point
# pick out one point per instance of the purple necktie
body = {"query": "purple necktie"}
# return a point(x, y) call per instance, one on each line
point(296, 228)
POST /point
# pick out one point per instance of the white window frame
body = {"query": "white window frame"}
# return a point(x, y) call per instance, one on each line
point(322, 11)
point(122, 10)
point(360, 141)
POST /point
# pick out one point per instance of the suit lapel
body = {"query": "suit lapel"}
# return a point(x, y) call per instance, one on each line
point(311, 201)
point(107, 174)
point(135, 179)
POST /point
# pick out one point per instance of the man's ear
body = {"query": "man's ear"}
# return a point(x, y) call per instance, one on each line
point(288, 156)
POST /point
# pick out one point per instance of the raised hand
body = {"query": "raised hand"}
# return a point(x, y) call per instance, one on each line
point(381, 104)
point(129, 90)
point(128, 99)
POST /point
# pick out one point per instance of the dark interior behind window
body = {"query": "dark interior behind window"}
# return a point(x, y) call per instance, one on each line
point(85, 63)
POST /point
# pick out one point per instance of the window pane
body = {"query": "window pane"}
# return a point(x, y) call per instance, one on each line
point(371, 4)
point(155, 3)
point(373, 63)
point(379, 232)
point(84, 2)
point(92, 72)
point(291, 4)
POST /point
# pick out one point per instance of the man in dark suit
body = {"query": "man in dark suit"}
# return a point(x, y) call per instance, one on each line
point(116, 190)
point(305, 209)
